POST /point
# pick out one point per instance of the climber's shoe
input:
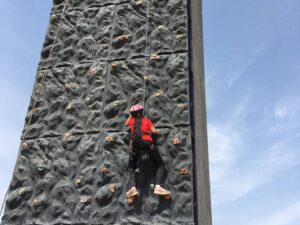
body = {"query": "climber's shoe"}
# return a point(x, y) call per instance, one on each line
point(159, 190)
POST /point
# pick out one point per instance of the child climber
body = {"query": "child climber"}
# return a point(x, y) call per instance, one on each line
point(141, 129)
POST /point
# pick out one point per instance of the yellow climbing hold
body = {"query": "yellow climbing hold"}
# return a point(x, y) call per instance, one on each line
point(69, 107)
point(159, 93)
point(114, 65)
point(35, 110)
point(67, 135)
point(109, 139)
point(36, 202)
point(93, 71)
point(22, 191)
point(180, 105)
point(154, 57)
point(116, 103)
point(113, 188)
point(179, 36)
point(24, 145)
point(67, 85)
point(77, 181)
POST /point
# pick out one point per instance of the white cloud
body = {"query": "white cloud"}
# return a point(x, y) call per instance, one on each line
point(280, 112)
point(288, 216)
point(232, 179)
point(238, 164)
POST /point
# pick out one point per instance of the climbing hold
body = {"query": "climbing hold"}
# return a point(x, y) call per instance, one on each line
point(53, 16)
point(35, 110)
point(154, 57)
point(40, 169)
point(93, 71)
point(104, 170)
point(109, 139)
point(67, 85)
point(139, 2)
point(159, 93)
point(36, 202)
point(77, 181)
point(40, 77)
point(113, 188)
point(123, 38)
point(66, 136)
point(22, 191)
point(114, 65)
point(161, 26)
point(83, 200)
point(69, 107)
point(116, 103)
point(180, 105)
point(146, 77)
point(179, 36)
point(184, 171)
point(176, 141)
point(24, 145)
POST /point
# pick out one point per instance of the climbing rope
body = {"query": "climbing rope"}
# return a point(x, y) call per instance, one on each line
point(35, 101)
point(147, 53)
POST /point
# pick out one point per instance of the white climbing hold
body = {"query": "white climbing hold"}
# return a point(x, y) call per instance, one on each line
point(66, 136)
point(154, 57)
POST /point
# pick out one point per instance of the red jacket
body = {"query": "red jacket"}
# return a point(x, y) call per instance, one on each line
point(145, 128)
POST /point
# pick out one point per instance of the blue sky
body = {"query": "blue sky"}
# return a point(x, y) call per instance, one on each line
point(253, 104)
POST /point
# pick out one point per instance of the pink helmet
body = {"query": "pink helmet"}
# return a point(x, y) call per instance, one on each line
point(136, 108)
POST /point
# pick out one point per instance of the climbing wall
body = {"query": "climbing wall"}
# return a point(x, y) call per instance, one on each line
point(99, 58)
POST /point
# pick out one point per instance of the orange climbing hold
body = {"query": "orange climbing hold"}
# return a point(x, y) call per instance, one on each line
point(123, 38)
point(131, 195)
point(176, 141)
point(184, 171)
point(104, 170)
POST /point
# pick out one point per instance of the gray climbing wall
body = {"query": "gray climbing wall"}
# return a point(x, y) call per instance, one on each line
point(99, 58)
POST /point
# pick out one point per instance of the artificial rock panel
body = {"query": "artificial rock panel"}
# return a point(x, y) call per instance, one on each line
point(96, 62)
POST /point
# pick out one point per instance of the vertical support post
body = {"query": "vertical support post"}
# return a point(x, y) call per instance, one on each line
point(201, 165)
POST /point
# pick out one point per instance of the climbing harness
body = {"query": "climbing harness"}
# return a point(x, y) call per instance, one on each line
point(35, 102)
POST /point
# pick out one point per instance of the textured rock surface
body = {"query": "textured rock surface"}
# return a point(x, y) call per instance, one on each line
point(72, 168)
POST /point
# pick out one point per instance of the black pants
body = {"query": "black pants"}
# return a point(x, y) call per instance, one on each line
point(135, 151)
